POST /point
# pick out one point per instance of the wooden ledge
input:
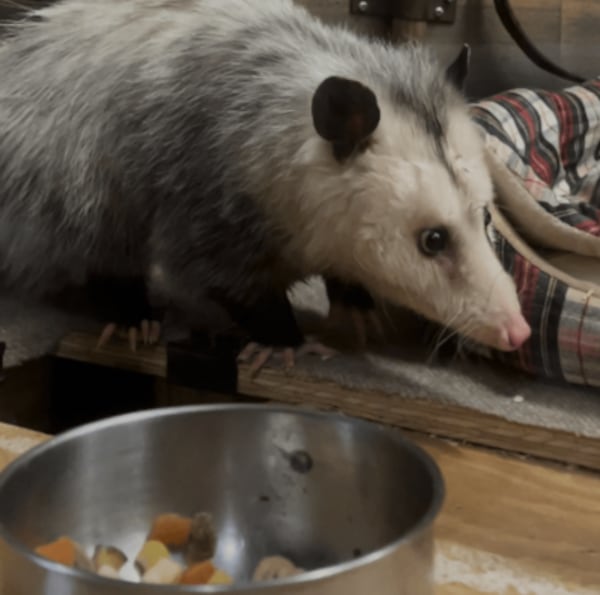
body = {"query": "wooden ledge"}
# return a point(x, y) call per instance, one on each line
point(424, 415)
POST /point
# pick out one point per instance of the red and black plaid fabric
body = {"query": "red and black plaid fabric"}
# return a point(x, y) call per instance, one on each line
point(550, 143)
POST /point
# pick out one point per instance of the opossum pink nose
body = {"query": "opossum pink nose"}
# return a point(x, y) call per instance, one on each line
point(515, 333)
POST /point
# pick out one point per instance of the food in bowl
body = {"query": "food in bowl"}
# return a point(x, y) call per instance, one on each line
point(192, 538)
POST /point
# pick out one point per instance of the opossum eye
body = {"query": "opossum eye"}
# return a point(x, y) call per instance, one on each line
point(433, 241)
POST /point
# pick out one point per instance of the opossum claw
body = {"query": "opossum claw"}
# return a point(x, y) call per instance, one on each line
point(288, 358)
point(313, 347)
point(248, 352)
point(107, 332)
point(125, 303)
point(260, 355)
point(133, 336)
point(149, 330)
point(145, 326)
point(155, 331)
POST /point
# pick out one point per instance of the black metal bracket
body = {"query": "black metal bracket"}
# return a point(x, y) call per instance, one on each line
point(431, 11)
point(205, 362)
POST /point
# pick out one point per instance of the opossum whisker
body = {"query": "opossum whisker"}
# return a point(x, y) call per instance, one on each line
point(382, 306)
point(438, 338)
point(462, 345)
point(463, 341)
point(462, 331)
point(14, 4)
point(441, 340)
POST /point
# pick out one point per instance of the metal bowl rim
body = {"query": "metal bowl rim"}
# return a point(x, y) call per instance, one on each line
point(422, 525)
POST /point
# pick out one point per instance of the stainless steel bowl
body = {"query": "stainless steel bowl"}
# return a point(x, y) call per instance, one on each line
point(352, 502)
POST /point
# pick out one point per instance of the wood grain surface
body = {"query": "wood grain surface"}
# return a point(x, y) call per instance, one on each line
point(566, 31)
point(508, 527)
point(451, 421)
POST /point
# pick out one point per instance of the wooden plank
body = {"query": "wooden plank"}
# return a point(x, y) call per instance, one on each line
point(15, 440)
point(507, 527)
point(423, 414)
point(542, 518)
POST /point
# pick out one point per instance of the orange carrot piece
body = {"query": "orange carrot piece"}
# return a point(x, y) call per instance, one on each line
point(63, 550)
point(172, 530)
point(198, 574)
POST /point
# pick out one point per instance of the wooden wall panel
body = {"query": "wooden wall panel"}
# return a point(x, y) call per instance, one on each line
point(338, 11)
point(566, 31)
point(580, 36)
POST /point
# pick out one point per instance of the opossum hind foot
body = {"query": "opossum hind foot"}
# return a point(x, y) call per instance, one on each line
point(259, 355)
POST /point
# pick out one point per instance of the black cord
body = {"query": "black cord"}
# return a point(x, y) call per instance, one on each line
point(509, 20)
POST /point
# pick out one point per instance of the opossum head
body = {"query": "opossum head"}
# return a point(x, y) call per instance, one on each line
point(407, 210)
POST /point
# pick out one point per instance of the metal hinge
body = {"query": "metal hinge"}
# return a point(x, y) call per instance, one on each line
point(431, 11)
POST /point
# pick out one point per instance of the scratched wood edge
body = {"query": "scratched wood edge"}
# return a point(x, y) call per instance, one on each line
point(418, 414)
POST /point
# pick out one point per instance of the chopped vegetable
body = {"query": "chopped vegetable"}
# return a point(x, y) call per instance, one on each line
point(220, 577)
point(275, 567)
point(192, 538)
point(109, 556)
point(108, 571)
point(150, 555)
point(171, 529)
point(198, 574)
point(65, 551)
point(164, 572)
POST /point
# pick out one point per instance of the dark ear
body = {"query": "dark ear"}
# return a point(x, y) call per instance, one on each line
point(457, 72)
point(345, 113)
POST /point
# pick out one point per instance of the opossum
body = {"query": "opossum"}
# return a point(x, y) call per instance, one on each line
point(227, 150)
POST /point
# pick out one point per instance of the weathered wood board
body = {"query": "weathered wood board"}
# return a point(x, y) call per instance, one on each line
point(425, 415)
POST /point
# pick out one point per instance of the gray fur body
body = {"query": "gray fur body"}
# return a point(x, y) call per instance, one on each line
point(165, 139)
point(139, 132)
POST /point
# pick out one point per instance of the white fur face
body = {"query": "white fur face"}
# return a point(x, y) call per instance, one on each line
point(374, 212)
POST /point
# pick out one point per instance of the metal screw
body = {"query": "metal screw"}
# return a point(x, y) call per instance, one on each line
point(363, 6)
point(439, 12)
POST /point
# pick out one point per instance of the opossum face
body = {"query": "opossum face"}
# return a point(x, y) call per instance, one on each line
point(411, 200)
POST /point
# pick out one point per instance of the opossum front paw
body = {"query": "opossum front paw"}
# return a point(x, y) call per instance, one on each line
point(124, 306)
point(259, 355)
point(148, 330)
